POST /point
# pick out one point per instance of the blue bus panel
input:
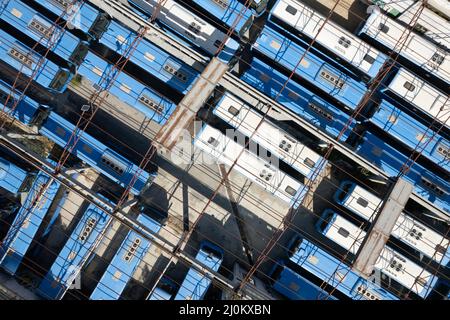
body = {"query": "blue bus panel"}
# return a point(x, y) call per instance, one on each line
point(127, 89)
point(82, 16)
point(313, 69)
point(164, 290)
point(22, 58)
point(124, 263)
point(75, 253)
point(11, 176)
point(95, 153)
point(444, 283)
point(295, 287)
point(149, 57)
point(329, 269)
point(26, 109)
point(298, 99)
point(42, 30)
point(60, 206)
point(195, 284)
point(411, 132)
point(26, 223)
point(160, 294)
point(231, 12)
point(426, 184)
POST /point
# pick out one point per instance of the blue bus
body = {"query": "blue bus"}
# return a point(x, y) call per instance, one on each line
point(23, 59)
point(25, 111)
point(432, 187)
point(298, 99)
point(28, 21)
point(295, 287)
point(127, 89)
point(153, 60)
point(26, 223)
point(82, 16)
point(124, 263)
point(414, 134)
point(77, 250)
point(334, 272)
point(316, 71)
point(195, 284)
point(94, 153)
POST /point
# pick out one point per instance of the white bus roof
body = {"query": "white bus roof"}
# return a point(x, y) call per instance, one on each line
point(421, 237)
point(362, 202)
point(345, 233)
point(441, 6)
point(403, 270)
point(308, 21)
point(278, 142)
point(221, 147)
point(416, 49)
point(393, 7)
point(421, 95)
point(429, 23)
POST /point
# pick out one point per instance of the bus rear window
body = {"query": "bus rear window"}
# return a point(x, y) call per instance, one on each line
point(344, 191)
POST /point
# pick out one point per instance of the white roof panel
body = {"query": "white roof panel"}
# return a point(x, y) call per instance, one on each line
point(421, 237)
point(345, 233)
point(362, 202)
point(403, 270)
